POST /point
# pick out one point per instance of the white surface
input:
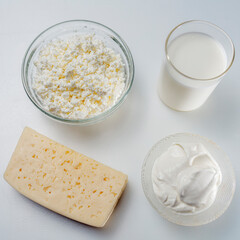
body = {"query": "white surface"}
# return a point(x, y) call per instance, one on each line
point(123, 140)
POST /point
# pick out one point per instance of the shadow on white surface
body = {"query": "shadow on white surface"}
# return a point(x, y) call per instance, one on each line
point(216, 116)
point(54, 218)
point(224, 224)
point(131, 109)
point(220, 229)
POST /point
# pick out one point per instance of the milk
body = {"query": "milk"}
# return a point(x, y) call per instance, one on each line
point(199, 58)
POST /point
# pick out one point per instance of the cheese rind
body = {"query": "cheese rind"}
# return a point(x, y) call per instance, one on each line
point(63, 180)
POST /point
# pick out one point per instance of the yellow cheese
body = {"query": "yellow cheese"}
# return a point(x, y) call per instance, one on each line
point(63, 180)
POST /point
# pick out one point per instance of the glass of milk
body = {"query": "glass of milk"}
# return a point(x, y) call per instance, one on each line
point(198, 55)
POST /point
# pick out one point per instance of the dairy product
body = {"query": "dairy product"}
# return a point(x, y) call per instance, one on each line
point(78, 76)
point(179, 96)
point(197, 56)
point(63, 180)
point(186, 178)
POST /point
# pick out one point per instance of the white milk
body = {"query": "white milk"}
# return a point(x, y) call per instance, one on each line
point(195, 55)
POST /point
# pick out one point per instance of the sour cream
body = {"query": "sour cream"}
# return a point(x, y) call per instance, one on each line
point(186, 178)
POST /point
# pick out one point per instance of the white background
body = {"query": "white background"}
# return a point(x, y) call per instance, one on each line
point(123, 140)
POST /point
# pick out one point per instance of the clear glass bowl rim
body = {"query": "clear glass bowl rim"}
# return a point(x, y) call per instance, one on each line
point(101, 116)
point(164, 215)
point(207, 23)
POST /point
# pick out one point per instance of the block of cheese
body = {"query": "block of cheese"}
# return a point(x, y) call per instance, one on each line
point(63, 180)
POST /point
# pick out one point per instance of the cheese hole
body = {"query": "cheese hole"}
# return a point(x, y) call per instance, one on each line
point(46, 188)
point(78, 166)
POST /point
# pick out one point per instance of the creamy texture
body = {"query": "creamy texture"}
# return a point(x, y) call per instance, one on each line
point(198, 55)
point(186, 178)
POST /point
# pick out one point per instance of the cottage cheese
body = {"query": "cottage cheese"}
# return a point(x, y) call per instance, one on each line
point(78, 77)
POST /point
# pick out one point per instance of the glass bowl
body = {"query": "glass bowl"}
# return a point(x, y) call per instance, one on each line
point(107, 35)
point(225, 191)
